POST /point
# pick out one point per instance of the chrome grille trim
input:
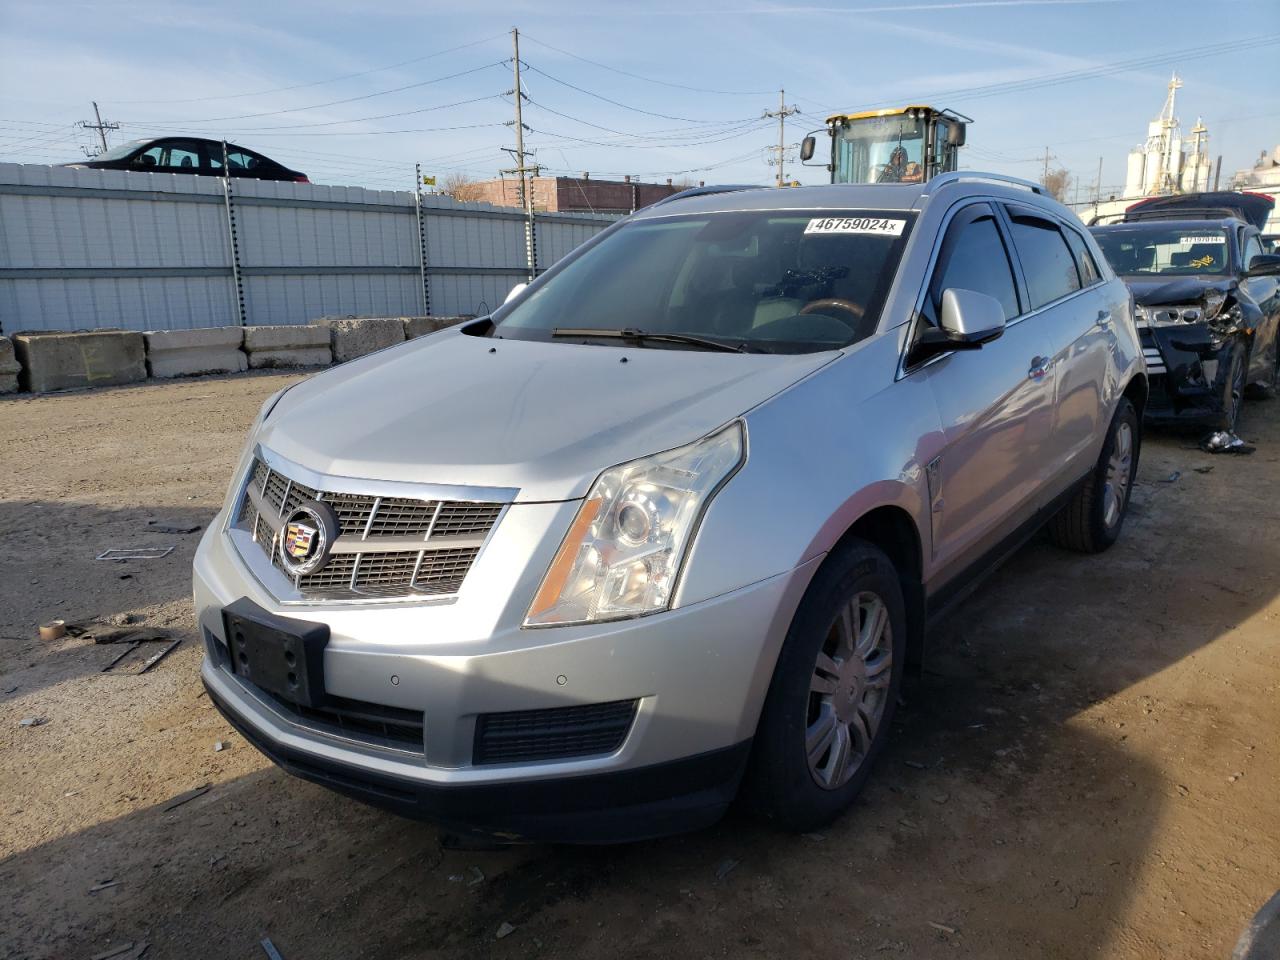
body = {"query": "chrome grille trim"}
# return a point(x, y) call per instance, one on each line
point(392, 546)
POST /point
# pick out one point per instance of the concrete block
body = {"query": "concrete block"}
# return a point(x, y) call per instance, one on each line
point(190, 353)
point(421, 326)
point(299, 357)
point(354, 337)
point(292, 345)
point(9, 366)
point(65, 361)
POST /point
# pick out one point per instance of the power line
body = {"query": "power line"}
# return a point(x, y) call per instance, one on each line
point(616, 103)
point(101, 127)
point(317, 83)
point(334, 103)
point(346, 133)
point(780, 151)
point(381, 116)
point(636, 76)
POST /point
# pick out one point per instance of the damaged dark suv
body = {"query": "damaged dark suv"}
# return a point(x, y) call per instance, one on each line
point(1207, 299)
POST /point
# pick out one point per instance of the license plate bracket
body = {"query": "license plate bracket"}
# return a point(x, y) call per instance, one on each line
point(278, 654)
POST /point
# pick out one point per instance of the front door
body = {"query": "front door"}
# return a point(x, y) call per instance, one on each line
point(995, 403)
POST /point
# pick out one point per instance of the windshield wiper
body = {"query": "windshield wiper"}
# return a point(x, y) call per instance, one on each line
point(630, 333)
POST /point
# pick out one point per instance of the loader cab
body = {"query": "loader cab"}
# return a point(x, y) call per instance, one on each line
point(900, 145)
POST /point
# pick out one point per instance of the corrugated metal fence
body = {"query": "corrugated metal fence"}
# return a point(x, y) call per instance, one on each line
point(89, 249)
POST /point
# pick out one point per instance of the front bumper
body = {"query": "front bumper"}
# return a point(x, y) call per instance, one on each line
point(1188, 365)
point(698, 673)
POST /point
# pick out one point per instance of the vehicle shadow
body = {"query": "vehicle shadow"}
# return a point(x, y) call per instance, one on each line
point(1009, 817)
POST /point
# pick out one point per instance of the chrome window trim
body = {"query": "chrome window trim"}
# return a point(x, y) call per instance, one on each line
point(952, 212)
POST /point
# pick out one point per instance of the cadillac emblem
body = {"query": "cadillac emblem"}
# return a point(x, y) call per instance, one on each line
point(307, 537)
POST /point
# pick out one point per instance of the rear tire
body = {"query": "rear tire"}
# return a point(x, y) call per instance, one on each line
point(829, 707)
point(1091, 521)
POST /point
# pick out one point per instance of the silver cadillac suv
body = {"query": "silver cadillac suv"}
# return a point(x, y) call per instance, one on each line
point(669, 526)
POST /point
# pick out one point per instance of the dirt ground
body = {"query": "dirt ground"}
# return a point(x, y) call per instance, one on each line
point(1088, 768)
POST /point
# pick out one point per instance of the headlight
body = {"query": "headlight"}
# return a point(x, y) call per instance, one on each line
point(1206, 309)
point(624, 550)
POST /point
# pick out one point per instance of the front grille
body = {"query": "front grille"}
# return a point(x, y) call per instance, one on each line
point(557, 733)
point(357, 720)
point(450, 533)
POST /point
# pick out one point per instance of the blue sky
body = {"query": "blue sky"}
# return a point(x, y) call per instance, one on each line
point(690, 80)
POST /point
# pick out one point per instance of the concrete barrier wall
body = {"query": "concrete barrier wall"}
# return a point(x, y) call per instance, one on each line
point(9, 366)
point(355, 337)
point(188, 353)
point(65, 361)
point(96, 249)
point(50, 362)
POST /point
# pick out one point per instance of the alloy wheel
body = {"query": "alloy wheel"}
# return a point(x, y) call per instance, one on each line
point(848, 690)
point(1115, 488)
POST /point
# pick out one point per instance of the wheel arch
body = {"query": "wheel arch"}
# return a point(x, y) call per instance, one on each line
point(891, 528)
point(1136, 392)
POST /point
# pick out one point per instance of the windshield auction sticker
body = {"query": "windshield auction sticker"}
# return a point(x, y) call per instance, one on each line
point(880, 225)
point(1205, 239)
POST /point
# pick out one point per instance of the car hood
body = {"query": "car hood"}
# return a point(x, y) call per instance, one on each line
point(1155, 293)
point(542, 418)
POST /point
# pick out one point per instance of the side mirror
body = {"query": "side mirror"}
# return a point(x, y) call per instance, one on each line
point(1264, 265)
point(969, 318)
point(807, 146)
point(956, 134)
point(515, 292)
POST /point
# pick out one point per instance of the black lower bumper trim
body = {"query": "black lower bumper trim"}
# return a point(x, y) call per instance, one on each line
point(619, 807)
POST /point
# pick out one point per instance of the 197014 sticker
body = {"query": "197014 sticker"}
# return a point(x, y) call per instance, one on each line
point(881, 225)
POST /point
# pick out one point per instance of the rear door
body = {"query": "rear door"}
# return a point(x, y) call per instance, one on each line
point(1070, 304)
point(170, 156)
point(1265, 292)
point(995, 403)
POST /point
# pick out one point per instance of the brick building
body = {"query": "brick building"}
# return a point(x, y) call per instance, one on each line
point(574, 194)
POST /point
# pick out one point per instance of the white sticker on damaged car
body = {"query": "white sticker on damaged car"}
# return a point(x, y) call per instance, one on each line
point(881, 225)
point(1190, 240)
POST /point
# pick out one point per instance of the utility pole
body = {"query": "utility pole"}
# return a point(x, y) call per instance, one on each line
point(522, 167)
point(780, 150)
point(1045, 179)
point(101, 127)
point(1097, 184)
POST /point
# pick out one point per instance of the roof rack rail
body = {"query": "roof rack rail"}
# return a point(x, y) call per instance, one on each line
point(959, 176)
point(705, 191)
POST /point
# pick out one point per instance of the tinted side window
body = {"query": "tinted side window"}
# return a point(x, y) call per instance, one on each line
point(1252, 248)
point(1087, 266)
point(973, 257)
point(1046, 259)
point(180, 155)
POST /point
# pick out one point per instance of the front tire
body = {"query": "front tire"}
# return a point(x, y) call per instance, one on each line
point(834, 689)
point(1091, 520)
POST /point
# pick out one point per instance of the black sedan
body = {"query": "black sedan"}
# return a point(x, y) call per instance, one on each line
point(190, 155)
point(1208, 309)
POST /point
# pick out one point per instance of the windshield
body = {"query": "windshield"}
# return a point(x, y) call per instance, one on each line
point(122, 151)
point(880, 150)
point(1154, 250)
point(776, 281)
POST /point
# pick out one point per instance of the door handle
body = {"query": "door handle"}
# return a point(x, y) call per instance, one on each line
point(1039, 367)
point(1104, 318)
